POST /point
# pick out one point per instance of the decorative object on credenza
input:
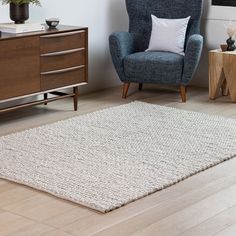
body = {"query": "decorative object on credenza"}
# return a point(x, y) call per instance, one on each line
point(52, 22)
point(223, 47)
point(231, 44)
point(231, 30)
point(19, 13)
point(12, 28)
point(19, 9)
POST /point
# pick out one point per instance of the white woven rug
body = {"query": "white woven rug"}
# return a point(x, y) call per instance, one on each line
point(109, 158)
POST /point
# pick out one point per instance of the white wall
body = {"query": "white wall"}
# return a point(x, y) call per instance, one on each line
point(105, 16)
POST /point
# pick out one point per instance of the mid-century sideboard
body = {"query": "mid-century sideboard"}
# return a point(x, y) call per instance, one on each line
point(42, 63)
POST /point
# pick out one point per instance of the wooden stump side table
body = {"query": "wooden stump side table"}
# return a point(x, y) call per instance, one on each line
point(222, 74)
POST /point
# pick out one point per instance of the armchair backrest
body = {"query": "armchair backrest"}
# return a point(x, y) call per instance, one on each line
point(140, 11)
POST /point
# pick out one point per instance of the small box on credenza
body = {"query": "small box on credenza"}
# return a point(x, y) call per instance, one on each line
point(12, 28)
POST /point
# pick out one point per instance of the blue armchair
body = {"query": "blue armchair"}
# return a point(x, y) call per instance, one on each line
point(134, 65)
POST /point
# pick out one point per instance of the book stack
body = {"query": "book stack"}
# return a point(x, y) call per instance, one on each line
point(12, 28)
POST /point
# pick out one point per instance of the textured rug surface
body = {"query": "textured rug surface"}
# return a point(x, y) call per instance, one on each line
point(112, 157)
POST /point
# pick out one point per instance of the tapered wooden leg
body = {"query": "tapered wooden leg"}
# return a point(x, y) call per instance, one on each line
point(76, 96)
point(140, 87)
point(225, 89)
point(183, 91)
point(125, 90)
point(45, 96)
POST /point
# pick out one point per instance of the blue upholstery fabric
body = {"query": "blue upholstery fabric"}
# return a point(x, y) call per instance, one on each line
point(150, 66)
point(192, 57)
point(122, 44)
point(154, 67)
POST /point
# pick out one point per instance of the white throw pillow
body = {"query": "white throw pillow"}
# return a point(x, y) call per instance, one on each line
point(168, 35)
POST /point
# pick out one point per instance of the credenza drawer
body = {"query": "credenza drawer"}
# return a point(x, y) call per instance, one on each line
point(62, 41)
point(19, 67)
point(62, 60)
point(61, 78)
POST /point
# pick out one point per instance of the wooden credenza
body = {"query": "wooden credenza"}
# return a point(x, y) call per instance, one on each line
point(43, 63)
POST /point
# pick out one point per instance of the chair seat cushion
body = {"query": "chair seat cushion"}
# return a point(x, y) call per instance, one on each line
point(154, 67)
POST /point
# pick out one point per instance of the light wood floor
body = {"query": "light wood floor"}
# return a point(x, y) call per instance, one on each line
point(204, 204)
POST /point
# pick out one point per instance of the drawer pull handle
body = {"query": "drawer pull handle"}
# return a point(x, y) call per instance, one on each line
point(62, 71)
point(62, 52)
point(62, 35)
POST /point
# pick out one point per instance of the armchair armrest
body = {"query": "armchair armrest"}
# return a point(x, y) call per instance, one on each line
point(121, 45)
point(192, 57)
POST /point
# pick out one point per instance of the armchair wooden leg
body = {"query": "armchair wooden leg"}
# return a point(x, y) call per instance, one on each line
point(140, 87)
point(183, 91)
point(125, 90)
point(45, 96)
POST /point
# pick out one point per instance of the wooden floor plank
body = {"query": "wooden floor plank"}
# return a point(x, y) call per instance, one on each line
point(192, 215)
point(2, 181)
point(42, 211)
point(37, 199)
point(15, 195)
point(144, 204)
point(163, 212)
point(6, 186)
point(230, 231)
point(213, 225)
point(56, 233)
point(35, 229)
point(11, 223)
point(69, 217)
